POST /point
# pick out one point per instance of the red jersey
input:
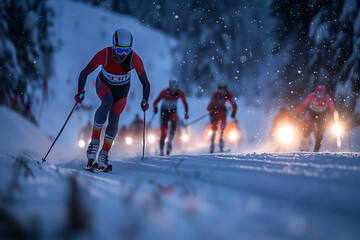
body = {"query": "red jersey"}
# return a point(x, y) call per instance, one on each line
point(317, 105)
point(113, 72)
point(217, 103)
point(170, 99)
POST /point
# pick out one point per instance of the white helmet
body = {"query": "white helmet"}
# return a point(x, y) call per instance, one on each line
point(173, 84)
point(122, 38)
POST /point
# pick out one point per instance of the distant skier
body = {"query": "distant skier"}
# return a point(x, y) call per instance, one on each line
point(112, 87)
point(170, 96)
point(137, 124)
point(318, 104)
point(85, 133)
point(218, 111)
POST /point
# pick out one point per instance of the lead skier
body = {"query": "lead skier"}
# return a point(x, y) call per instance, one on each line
point(112, 87)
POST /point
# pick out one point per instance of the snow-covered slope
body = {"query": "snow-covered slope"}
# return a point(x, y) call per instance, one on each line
point(221, 196)
point(19, 135)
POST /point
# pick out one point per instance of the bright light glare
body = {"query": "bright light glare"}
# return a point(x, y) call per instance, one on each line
point(151, 138)
point(185, 138)
point(210, 133)
point(337, 129)
point(81, 143)
point(233, 135)
point(128, 140)
point(286, 134)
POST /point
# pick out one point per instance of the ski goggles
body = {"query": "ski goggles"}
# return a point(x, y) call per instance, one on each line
point(122, 50)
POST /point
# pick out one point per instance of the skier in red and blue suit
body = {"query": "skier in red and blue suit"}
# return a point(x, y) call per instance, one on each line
point(170, 97)
point(112, 87)
point(319, 105)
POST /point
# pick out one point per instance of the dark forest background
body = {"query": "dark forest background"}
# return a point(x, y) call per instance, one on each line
point(285, 47)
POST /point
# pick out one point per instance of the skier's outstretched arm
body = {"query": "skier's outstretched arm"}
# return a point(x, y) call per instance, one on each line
point(162, 94)
point(146, 86)
point(98, 59)
point(303, 105)
point(139, 67)
point(233, 104)
point(211, 104)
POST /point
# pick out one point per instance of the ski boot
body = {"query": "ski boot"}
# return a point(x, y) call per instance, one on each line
point(104, 165)
point(91, 153)
point(221, 144)
point(305, 144)
point(169, 148)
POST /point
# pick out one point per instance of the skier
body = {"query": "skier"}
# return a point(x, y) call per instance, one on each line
point(112, 87)
point(169, 112)
point(136, 127)
point(318, 105)
point(218, 111)
point(137, 123)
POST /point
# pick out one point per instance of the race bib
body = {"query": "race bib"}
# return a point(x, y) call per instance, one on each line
point(115, 79)
point(318, 107)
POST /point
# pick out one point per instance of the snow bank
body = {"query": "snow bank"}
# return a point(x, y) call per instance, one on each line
point(20, 135)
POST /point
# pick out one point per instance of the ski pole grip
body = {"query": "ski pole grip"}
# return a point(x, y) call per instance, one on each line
point(79, 97)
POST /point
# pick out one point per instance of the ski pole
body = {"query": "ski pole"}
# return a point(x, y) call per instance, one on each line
point(196, 120)
point(144, 129)
point(44, 159)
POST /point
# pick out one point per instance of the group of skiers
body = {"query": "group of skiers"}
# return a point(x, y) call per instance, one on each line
point(113, 84)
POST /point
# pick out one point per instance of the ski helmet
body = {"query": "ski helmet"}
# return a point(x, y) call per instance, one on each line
point(222, 85)
point(320, 89)
point(122, 38)
point(173, 84)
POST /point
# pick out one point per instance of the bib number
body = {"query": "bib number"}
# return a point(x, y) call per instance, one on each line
point(117, 79)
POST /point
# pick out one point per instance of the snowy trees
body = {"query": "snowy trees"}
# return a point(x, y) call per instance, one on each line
point(218, 40)
point(25, 50)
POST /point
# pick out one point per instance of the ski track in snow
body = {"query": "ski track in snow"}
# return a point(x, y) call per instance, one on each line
point(325, 183)
point(199, 196)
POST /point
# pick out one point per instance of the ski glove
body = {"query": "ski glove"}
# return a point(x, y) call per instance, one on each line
point(155, 109)
point(233, 114)
point(79, 97)
point(144, 105)
point(186, 116)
